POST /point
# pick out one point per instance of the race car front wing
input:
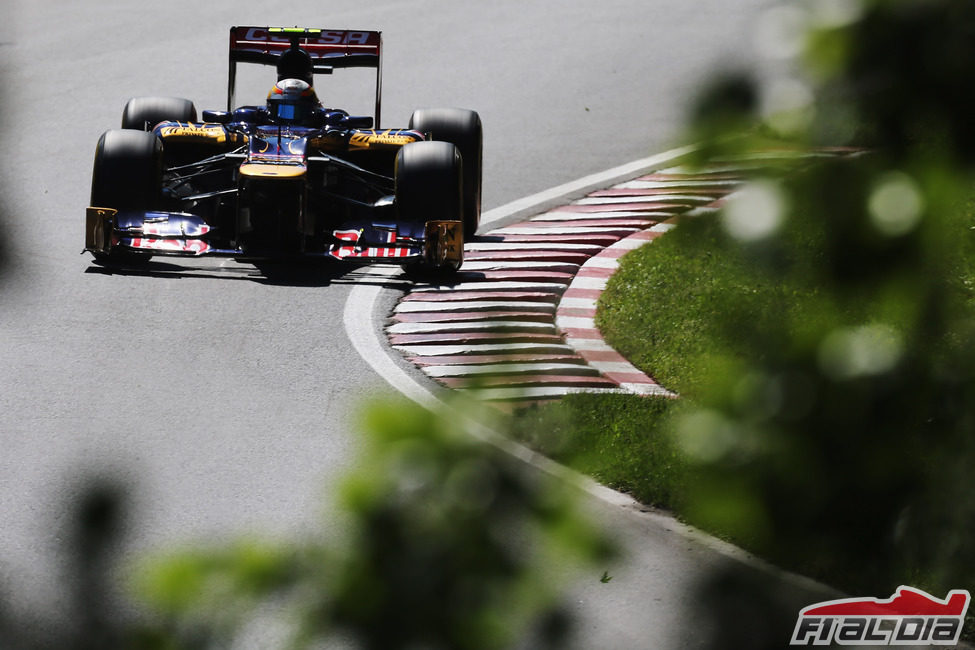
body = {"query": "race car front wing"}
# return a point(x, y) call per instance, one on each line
point(182, 234)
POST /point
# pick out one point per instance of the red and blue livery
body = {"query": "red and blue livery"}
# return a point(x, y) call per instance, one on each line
point(291, 178)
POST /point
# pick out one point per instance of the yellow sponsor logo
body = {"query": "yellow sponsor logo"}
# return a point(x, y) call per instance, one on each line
point(189, 131)
point(366, 140)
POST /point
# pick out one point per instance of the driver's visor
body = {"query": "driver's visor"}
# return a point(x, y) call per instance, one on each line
point(287, 111)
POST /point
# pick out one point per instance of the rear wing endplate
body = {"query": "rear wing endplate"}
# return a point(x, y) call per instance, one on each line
point(328, 48)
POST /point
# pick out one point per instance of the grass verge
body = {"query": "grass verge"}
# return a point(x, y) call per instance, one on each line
point(614, 438)
point(691, 307)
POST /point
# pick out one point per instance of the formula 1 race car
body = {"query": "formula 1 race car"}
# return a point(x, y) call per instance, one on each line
point(290, 178)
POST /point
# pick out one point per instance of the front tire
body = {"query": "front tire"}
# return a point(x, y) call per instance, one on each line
point(429, 182)
point(126, 176)
point(127, 171)
point(462, 128)
point(429, 186)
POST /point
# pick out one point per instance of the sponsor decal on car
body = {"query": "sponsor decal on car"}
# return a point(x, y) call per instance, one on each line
point(193, 132)
point(356, 251)
point(319, 37)
point(366, 139)
point(910, 616)
point(177, 228)
point(186, 246)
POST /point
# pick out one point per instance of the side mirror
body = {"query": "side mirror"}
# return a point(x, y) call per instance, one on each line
point(220, 117)
point(249, 114)
point(327, 117)
point(357, 122)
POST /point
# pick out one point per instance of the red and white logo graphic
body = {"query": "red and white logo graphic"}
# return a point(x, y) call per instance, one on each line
point(342, 252)
point(909, 617)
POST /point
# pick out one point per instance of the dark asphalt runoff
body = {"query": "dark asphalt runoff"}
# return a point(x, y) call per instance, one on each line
point(224, 396)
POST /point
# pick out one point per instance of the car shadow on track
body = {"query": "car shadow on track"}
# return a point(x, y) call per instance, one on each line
point(290, 273)
point(314, 273)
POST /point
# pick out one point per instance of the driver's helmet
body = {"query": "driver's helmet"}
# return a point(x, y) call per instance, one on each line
point(291, 101)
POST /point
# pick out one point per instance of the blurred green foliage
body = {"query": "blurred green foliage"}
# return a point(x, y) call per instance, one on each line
point(842, 442)
point(451, 544)
point(446, 542)
point(839, 437)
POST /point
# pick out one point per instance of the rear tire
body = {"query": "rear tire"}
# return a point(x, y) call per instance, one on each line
point(463, 129)
point(126, 176)
point(144, 113)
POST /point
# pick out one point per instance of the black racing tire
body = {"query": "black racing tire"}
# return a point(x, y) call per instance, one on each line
point(126, 176)
point(429, 182)
point(144, 113)
point(127, 171)
point(463, 129)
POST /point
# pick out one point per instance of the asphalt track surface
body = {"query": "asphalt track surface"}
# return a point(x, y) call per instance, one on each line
point(226, 396)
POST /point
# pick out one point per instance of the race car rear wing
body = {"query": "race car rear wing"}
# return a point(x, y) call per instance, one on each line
point(328, 48)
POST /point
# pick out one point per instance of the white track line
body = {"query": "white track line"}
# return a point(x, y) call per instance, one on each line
point(652, 198)
point(504, 265)
point(570, 230)
point(534, 392)
point(483, 348)
point(603, 263)
point(472, 326)
point(565, 215)
point(675, 185)
point(574, 369)
point(578, 303)
point(532, 246)
point(449, 306)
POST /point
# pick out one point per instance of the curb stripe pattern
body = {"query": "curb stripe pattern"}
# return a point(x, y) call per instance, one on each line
point(518, 325)
point(576, 316)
